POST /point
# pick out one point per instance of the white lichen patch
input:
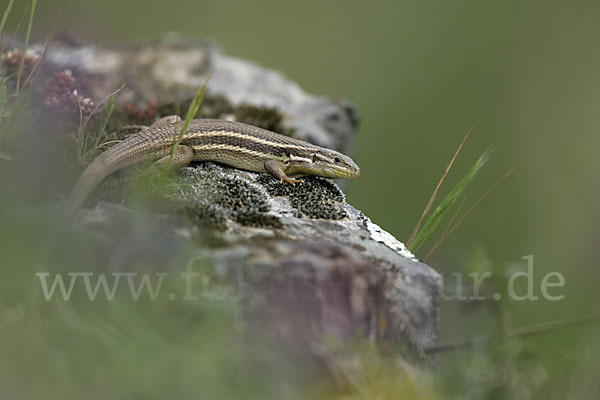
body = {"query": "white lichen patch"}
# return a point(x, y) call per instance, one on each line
point(379, 235)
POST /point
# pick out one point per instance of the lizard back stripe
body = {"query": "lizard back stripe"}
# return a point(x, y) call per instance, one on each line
point(266, 146)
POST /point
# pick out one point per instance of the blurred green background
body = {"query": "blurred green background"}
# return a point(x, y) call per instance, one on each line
point(527, 73)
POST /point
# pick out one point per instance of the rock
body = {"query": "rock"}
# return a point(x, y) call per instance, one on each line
point(171, 69)
point(313, 265)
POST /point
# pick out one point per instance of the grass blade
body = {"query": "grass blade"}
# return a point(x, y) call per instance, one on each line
point(452, 227)
point(14, 33)
point(5, 16)
point(82, 138)
point(15, 112)
point(47, 44)
point(514, 333)
point(27, 35)
point(437, 189)
point(2, 96)
point(189, 116)
point(107, 112)
point(446, 204)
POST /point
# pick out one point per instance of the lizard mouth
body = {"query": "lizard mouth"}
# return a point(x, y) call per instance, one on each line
point(347, 173)
point(340, 172)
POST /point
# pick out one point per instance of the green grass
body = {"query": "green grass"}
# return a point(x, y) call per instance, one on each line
point(85, 135)
point(12, 116)
point(12, 105)
point(5, 15)
point(445, 206)
point(2, 96)
point(26, 44)
point(189, 116)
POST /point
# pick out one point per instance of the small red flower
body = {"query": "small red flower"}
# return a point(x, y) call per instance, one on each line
point(59, 92)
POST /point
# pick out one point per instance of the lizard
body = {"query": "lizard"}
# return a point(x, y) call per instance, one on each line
point(234, 144)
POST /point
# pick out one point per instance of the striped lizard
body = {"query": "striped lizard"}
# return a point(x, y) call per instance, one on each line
point(231, 143)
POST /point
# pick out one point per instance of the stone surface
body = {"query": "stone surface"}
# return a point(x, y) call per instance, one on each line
point(312, 264)
point(172, 68)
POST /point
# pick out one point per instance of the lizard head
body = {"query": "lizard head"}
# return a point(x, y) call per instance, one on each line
point(323, 162)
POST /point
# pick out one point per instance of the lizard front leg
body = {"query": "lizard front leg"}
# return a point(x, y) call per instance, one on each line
point(276, 169)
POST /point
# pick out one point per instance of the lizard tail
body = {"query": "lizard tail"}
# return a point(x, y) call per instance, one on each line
point(112, 160)
point(99, 169)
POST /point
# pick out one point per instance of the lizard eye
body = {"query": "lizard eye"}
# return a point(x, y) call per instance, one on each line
point(314, 158)
point(337, 160)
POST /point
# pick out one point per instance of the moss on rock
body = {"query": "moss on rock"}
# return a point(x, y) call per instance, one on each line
point(208, 196)
point(316, 198)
